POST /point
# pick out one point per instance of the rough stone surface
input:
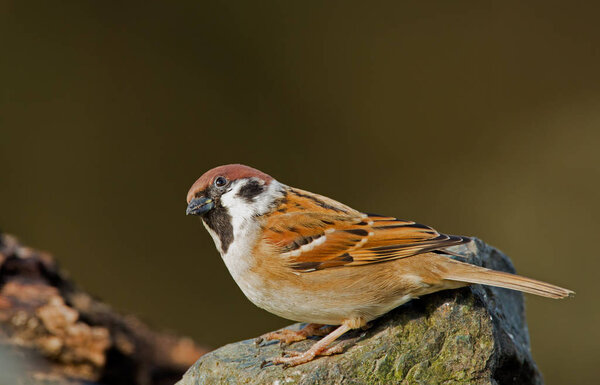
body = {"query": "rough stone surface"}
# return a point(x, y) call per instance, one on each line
point(474, 335)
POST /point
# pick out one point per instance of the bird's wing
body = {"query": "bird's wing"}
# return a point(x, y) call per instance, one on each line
point(323, 237)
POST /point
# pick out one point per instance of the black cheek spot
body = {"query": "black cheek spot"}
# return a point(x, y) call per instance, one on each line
point(250, 190)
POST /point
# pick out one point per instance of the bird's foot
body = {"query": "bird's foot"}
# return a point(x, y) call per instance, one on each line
point(320, 348)
point(293, 358)
point(286, 336)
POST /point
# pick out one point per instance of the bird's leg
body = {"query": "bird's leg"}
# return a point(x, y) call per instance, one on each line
point(287, 336)
point(319, 348)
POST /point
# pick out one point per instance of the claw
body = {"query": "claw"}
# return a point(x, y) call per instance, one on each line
point(266, 363)
point(336, 349)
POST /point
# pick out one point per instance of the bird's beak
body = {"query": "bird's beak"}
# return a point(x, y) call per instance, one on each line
point(199, 206)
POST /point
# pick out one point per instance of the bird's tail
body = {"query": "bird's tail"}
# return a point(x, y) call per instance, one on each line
point(464, 272)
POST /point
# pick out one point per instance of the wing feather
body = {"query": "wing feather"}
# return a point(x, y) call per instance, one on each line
point(313, 233)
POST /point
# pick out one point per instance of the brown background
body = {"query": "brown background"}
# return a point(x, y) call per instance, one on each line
point(479, 118)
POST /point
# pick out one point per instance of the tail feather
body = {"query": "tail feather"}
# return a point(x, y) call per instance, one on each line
point(464, 272)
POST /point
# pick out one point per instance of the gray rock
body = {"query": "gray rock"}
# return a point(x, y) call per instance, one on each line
point(474, 335)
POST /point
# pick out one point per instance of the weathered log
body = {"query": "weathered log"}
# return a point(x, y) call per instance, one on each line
point(53, 332)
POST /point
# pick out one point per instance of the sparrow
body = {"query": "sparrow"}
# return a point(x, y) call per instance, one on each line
point(311, 259)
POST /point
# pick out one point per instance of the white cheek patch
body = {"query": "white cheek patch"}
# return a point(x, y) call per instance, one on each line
point(246, 228)
point(235, 206)
point(239, 207)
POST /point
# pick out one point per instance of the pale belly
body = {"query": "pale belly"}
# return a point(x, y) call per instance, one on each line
point(329, 297)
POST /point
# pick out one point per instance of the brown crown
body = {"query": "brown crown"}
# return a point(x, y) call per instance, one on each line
point(229, 171)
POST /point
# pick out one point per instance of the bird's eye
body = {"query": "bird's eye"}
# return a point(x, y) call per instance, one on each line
point(220, 181)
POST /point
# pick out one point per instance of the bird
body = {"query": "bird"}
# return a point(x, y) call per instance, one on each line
point(311, 259)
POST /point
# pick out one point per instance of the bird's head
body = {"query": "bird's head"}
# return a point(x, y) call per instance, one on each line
point(239, 189)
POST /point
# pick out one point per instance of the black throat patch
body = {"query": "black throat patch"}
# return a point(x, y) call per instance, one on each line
point(219, 221)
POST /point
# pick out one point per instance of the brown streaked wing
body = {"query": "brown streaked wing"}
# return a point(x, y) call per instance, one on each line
point(302, 217)
point(319, 240)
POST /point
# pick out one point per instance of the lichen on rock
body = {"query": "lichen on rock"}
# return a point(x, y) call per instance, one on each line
point(473, 335)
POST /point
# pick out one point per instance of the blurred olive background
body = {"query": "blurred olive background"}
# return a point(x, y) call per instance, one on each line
point(479, 118)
